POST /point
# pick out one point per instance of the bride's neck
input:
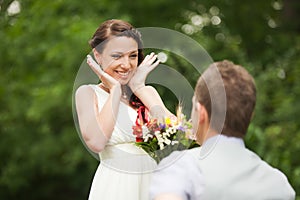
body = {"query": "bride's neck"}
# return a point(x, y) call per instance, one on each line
point(126, 92)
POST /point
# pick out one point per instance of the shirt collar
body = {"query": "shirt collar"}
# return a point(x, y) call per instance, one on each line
point(224, 138)
point(210, 143)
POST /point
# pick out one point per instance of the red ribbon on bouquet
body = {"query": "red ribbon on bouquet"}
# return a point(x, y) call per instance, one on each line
point(142, 118)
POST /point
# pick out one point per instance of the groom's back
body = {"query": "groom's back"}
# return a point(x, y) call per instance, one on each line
point(233, 172)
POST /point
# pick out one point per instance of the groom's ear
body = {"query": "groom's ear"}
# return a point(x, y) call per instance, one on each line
point(203, 116)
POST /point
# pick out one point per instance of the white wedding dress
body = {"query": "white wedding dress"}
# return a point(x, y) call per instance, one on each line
point(125, 170)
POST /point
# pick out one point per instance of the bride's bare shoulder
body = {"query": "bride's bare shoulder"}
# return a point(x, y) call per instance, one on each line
point(84, 91)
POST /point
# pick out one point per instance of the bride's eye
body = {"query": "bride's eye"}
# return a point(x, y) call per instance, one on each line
point(133, 56)
point(116, 56)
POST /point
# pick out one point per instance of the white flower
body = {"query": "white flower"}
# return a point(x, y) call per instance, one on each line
point(167, 141)
point(145, 130)
point(146, 137)
point(157, 133)
point(161, 146)
point(174, 142)
point(159, 137)
point(166, 134)
point(160, 140)
point(173, 130)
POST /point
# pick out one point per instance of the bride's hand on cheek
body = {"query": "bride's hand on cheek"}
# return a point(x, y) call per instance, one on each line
point(108, 81)
point(142, 71)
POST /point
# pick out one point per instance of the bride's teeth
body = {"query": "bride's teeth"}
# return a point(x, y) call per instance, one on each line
point(123, 73)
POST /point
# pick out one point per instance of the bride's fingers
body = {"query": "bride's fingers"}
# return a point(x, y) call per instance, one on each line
point(153, 59)
point(151, 67)
point(149, 59)
point(152, 62)
point(145, 60)
point(95, 67)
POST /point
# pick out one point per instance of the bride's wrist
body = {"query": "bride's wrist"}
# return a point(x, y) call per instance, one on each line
point(136, 88)
point(116, 89)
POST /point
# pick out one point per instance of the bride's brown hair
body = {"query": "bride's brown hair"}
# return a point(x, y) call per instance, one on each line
point(118, 28)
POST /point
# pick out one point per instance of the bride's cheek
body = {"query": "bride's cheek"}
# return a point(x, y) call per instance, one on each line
point(131, 75)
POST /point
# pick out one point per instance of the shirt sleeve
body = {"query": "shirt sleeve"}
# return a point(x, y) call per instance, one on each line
point(177, 174)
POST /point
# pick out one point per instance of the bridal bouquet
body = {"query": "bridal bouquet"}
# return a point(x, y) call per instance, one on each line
point(159, 138)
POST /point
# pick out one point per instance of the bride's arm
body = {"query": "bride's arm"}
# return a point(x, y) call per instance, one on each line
point(148, 94)
point(151, 99)
point(96, 127)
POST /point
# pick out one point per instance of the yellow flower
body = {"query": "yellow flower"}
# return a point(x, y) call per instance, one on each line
point(167, 120)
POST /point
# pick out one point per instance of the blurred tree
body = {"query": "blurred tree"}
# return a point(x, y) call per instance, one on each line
point(290, 15)
point(42, 46)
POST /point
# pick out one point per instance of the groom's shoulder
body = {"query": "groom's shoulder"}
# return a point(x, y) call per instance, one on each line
point(185, 155)
point(180, 157)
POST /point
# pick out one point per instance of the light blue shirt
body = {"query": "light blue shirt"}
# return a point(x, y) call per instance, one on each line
point(197, 173)
point(177, 174)
point(180, 174)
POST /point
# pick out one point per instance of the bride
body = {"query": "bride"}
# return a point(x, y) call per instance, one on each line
point(107, 111)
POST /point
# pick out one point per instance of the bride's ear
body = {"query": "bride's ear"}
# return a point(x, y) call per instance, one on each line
point(97, 56)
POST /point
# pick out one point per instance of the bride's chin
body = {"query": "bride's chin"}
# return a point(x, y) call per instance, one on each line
point(123, 82)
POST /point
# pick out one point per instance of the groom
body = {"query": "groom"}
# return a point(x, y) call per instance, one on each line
point(222, 168)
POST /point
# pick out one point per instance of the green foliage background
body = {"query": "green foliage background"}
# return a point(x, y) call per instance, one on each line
point(43, 45)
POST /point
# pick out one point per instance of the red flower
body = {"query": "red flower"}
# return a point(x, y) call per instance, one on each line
point(137, 131)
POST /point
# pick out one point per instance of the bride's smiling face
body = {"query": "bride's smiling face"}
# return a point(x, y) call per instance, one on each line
point(119, 58)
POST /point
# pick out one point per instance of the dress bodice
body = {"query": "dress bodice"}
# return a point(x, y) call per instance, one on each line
point(120, 153)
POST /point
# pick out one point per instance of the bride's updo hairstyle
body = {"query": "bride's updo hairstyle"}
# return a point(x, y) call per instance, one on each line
point(118, 28)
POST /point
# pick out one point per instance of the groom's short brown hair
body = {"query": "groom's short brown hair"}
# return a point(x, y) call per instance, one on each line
point(240, 98)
